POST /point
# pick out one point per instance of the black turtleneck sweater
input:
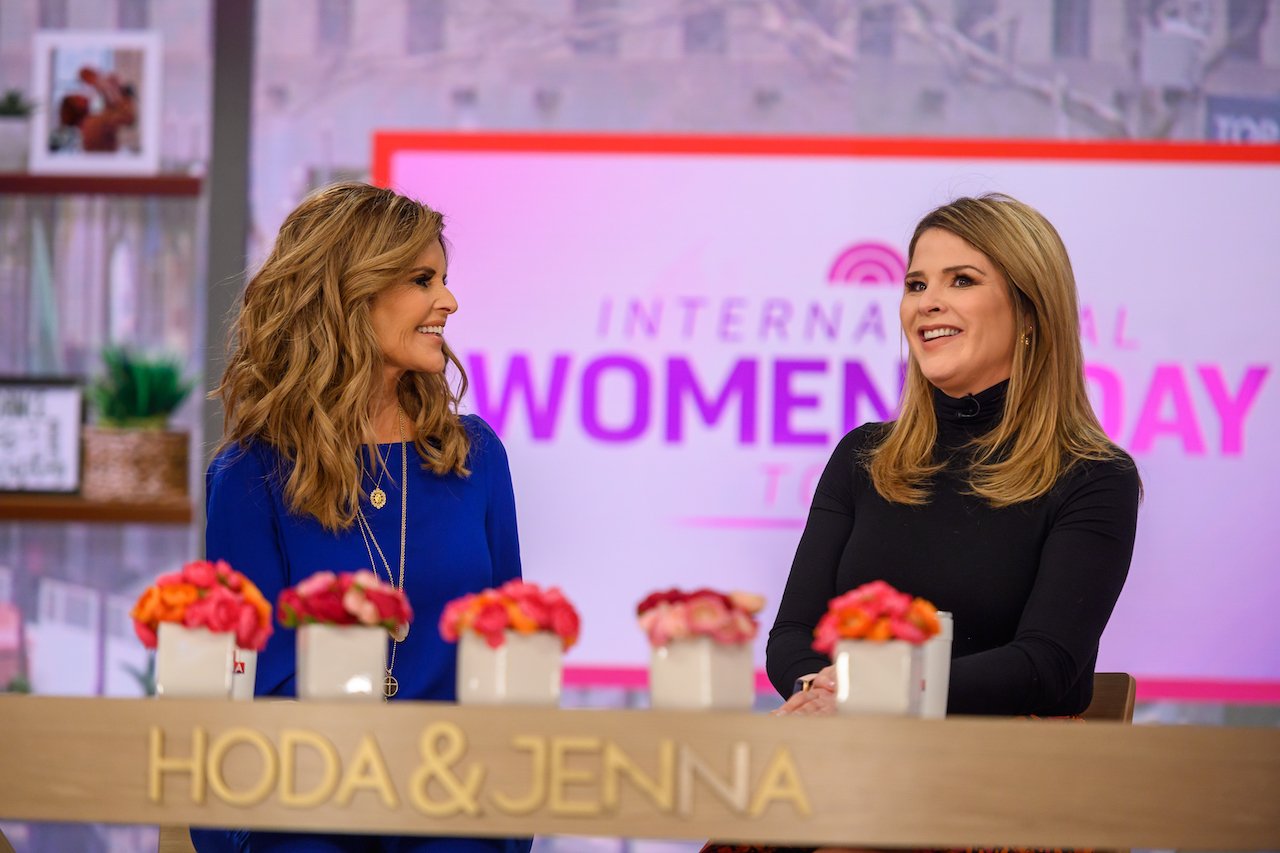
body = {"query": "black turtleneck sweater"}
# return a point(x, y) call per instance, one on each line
point(1030, 586)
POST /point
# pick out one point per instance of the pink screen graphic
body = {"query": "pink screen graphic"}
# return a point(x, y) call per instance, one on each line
point(671, 335)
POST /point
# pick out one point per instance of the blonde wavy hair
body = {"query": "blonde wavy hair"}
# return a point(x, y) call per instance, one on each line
point(1048, 424)
point(304, 366)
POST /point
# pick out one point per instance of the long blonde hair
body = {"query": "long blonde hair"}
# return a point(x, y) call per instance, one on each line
point(304, 365)
point(1048, 423)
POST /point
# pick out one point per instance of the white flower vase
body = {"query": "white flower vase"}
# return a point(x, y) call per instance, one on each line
point(937, 670)
point(244, 673)
point(193, 662)
point(524, 670)
point(878, 677)
point(342, 662)
point(698, 673)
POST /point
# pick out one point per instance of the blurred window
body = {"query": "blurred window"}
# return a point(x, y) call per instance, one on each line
point(705, 33)
point(52, 15)
point(333, 24)
point(974, 18)
point(595, 28)
point(876, 30)
point(1071, 29)
point(825, 14)
point(133, 14)
point(426, 26)
point(1244, 27)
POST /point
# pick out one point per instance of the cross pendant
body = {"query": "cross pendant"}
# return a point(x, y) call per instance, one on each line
point(390, 685)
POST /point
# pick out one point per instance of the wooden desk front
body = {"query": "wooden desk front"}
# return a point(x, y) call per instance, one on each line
point(442, 769)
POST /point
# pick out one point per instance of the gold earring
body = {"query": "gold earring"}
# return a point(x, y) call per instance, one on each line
point(1026, 338)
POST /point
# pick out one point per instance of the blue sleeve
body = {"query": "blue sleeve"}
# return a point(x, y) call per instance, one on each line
point(500, 515)
point(242, 526)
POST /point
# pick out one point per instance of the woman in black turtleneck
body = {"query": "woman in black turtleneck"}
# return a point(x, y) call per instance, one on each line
point(995, 495)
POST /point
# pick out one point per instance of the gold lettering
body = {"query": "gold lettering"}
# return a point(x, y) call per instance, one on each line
point(660, 789)
point(270, 766)
point(159, 764)
point(781, 781)
point(734, 793)
point(560, 775)
point(537, 781)
point(442, 745)
point(290, 740)
point(368, 771)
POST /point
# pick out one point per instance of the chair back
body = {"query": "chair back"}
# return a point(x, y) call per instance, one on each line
point(175, 839)
point(1113, 694)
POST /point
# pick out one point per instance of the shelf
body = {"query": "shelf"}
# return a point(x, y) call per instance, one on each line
point(24, 507)
point(24, 183)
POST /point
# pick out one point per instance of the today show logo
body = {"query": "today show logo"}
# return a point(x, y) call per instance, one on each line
point(868, 264)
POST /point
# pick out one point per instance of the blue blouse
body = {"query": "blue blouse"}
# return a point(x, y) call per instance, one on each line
point(460, 538)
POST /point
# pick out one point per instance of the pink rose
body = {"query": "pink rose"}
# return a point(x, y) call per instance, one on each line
point(228, 576)
point(364, 610)
point(392, 606)
point(327, 607)
point(707, 613)
point(145, 633)
point(654, 599)
point(826, 633)
point(672, 624)
point(904, 630)
point(451, 618)
point(365, 578)
point(200, 573)
point(170, 579)
point(491, 621)
point(218, 611)
point(566, 624)
point(316, 583)
point(748, 602)
point(291, 610)
point(248, 629)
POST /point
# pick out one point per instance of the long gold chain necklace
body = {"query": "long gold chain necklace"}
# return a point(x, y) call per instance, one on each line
point(389, 685)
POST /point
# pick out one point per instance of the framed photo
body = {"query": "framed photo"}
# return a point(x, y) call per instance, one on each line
point(98, 96)
point(40, 435)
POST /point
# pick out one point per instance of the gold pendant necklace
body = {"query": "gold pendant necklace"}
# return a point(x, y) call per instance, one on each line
point(377, 497)
point(389, 685)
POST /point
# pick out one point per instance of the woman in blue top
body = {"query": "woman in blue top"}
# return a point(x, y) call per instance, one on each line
point(343, 450)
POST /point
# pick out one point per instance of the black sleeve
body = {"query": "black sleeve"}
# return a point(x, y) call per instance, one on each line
point(1083, 566)
point(812, 582)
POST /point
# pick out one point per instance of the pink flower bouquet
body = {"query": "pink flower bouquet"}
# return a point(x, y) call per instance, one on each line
point(346, 598)
point(674, 614)
point(875, 611)
point(525, 608)
point(205, 595)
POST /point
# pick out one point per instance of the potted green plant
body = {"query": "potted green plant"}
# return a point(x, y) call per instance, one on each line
point(15, 110)
point(130, 454)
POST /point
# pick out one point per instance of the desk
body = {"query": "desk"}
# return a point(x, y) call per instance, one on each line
point(433, 768)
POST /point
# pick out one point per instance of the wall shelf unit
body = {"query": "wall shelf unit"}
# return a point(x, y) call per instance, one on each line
point(24, 183)
point(32, 507)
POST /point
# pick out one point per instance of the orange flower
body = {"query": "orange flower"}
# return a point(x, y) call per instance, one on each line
point(174, 600)
point(521, 622)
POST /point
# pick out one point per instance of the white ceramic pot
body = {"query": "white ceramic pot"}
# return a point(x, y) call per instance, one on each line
point(699, 673)
point(524, 670)
point(244, 673)
point(347, 662)
point(15, 136)
point(878, 677)
point(193, 662)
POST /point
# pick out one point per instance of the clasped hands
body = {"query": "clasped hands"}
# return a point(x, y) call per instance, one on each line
point(817, 699)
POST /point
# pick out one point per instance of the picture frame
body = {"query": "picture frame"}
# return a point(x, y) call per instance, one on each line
point(40, 421)
point(98, 103)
